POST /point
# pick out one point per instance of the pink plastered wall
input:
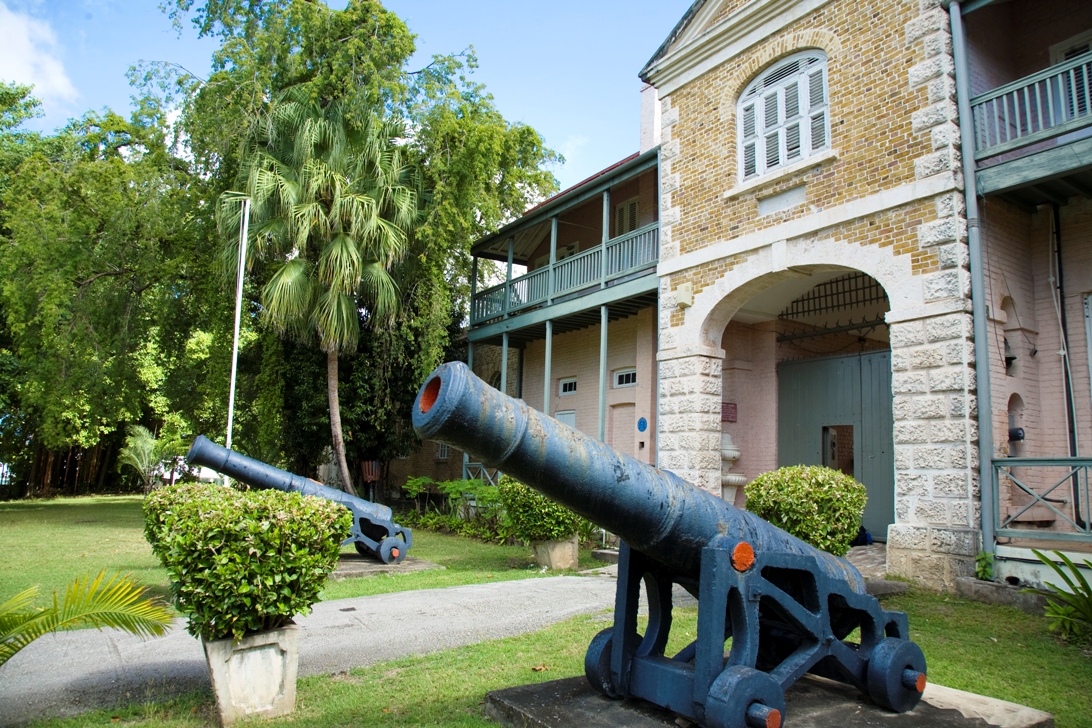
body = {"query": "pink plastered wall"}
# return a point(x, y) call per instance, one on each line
point(1020, 265)
point(631, 342)
point(1019, 262)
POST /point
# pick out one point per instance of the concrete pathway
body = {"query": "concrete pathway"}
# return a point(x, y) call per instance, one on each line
point(73, 672)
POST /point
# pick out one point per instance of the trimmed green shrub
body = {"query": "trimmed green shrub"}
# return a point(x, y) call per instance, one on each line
point(243, 562)
point(816, 504)
point(535, 517)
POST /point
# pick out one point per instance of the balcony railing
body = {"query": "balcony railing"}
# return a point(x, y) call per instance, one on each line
point(1053, 490)
point(625, 255)
point(1043, 106)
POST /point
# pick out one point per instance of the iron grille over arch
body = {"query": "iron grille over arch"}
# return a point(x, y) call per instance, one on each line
point(783, 115)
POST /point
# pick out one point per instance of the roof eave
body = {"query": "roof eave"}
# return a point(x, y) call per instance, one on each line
point(550, 205)
point(646, 72)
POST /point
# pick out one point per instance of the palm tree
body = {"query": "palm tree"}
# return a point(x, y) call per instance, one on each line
point(333, 201)
point(144, 453)
point(87, 601)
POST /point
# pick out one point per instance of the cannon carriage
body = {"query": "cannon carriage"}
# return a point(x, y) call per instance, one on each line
point(374, 531)
point(785, 607)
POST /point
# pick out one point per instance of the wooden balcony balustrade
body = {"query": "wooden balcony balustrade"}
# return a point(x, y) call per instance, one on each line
point(591, 269)
point(1043, 106)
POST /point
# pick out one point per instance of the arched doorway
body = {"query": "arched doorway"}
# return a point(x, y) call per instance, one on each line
point(814, 349)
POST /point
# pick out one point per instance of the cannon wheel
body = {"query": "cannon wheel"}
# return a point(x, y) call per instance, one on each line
point(896, 674)
point(363, 549)
point(392, 550)
point(743, 697)
point(597, 663)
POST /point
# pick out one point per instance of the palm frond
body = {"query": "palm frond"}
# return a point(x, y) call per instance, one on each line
point(337, 320)
point(379, 290)
point(15, 611)
point(288, 297)
point(117, 603)
point(340, 263)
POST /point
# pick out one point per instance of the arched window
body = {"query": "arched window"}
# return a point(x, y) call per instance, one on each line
point(783, 115)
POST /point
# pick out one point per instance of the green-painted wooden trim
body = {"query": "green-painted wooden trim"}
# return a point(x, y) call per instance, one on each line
point(1039, 136)
point(1033, 168)
point(1033, 535)
point(1033, 78)
point(594, 300)
point(1042, 462)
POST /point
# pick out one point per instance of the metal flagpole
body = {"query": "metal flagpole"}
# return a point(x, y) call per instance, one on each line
point(238, 315)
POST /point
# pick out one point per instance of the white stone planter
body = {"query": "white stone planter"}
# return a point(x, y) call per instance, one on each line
point(558, 554)
point(255, 676)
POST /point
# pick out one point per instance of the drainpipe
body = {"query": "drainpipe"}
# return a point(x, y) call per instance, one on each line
point(978, 280)
point(1070, 409)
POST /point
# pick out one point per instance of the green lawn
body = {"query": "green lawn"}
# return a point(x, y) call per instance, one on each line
point(1024, 665)
point(995, 651)
point(50, 542)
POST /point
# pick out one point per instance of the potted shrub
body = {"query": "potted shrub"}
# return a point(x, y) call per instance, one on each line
point(241, 565)
point(551, 529)
point(816, 504)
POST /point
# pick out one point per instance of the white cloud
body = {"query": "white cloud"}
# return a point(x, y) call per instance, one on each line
point(31, 55)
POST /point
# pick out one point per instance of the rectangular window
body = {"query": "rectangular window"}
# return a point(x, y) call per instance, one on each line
point(566, 387)
point(625, 377)
point(442, 451)
point(625, 217)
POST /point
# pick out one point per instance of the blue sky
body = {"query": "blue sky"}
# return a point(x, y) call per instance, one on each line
point(567, 68)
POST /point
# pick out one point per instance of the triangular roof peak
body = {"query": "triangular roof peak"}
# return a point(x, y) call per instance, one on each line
point(713, 31)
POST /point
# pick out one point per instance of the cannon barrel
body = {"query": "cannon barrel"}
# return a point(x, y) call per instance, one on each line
point(374, 531)
point(257, 474)
point(654, 511)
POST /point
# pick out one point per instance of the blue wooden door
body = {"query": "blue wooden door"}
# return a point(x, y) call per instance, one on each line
point(832, 399)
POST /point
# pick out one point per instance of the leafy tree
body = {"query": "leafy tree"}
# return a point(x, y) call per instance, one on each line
point(97, 237)
point(333, 201)
point(479, 171)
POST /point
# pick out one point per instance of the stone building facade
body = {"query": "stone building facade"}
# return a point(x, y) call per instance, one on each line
point(812, 299)
point(885, 199)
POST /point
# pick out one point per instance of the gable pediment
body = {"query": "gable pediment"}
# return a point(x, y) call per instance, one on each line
point(714, 31)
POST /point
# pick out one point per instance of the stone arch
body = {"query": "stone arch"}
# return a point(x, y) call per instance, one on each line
point(775, 50)
point(715, 305)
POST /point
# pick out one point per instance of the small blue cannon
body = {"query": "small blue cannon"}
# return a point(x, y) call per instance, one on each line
point(787, 607)
point(374, 533)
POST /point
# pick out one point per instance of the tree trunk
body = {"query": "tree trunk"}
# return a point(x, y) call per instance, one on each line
point(335, 422)
point(102, 467)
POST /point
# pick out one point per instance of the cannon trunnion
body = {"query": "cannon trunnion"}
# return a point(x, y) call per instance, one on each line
point(374, 531)
point(771, 608)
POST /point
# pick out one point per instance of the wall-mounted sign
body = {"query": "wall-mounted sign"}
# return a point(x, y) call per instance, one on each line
point(642, 425)
point(727, 411)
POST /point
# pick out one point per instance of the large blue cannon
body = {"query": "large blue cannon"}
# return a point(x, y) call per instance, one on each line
point(374, 531)
point(786, 607)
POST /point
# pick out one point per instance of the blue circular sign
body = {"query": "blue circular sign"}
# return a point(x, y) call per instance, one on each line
point(642, 425)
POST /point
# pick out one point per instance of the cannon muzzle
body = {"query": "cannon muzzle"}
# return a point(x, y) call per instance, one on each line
point(374, 532)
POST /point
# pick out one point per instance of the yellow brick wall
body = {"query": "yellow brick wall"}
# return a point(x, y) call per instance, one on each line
point(871, 105)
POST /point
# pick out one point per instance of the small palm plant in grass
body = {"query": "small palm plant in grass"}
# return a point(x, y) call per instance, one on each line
point(87, 601)
point(144, 453)
point(1069, 609)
